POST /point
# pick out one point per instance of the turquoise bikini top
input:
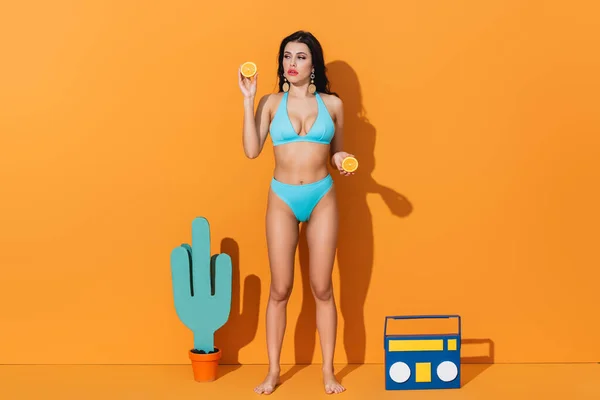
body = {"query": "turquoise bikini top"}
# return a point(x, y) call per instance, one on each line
point(283, 132)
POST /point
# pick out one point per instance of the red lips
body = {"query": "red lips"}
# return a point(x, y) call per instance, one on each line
point(292, 72)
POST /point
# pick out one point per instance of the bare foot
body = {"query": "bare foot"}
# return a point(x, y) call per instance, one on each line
point(269, 384)
point(332, 386)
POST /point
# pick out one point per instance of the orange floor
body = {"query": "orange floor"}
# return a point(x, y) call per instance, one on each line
point(114, 382)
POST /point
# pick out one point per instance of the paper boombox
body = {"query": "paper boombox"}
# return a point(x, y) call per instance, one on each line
point(422, 361)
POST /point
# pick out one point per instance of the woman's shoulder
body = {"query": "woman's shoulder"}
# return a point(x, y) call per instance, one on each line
point(332, 101)
point(270, 98)
point(269, 102)
point(332, 98)
point(274, 95)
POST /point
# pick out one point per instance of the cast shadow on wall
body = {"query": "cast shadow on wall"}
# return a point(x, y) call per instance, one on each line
point(242, 325)
point(355, 242)
point(473, 366)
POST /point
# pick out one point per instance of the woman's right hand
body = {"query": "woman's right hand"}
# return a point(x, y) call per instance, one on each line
point(247, 85)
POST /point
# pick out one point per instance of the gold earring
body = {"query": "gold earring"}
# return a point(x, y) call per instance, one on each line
point(286, 85)
point(312, 88)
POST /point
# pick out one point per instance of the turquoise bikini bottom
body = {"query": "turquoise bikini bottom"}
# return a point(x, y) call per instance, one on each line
point(302, 199)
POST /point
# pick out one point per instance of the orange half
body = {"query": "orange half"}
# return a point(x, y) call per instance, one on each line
point(248, 69)
point(349, 164)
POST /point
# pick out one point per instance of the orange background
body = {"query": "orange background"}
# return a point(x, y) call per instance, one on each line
point(476, 126)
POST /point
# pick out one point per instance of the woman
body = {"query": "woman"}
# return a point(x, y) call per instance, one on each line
point(305, 121)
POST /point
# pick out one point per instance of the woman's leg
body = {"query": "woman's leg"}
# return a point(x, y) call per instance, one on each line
point(321, 236)
point(282, 239)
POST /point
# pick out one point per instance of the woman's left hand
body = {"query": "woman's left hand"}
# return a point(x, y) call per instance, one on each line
point(337, 161)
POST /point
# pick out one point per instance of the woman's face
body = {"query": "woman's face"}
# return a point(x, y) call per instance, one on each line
point(297, 62)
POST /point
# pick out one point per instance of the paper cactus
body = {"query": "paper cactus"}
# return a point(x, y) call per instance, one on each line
point(194, 274)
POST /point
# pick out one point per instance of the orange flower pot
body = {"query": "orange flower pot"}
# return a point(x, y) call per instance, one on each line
point(205, 366)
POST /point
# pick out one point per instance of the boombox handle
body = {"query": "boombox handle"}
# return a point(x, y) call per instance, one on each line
point(419, 317)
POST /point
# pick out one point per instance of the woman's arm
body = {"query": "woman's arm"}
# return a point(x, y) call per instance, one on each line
point(337, 143)
point(256, 126)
